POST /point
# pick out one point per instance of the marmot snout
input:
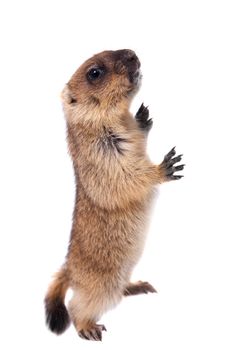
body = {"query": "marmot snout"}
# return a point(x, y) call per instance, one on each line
point(114, 188)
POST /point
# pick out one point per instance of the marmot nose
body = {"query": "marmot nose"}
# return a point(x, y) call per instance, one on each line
point(128, 57)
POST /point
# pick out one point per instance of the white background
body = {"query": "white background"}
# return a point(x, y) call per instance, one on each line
point(186, 50)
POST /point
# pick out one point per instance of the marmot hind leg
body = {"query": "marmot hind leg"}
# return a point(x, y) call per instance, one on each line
point(85, 309)
point(139, 288)
point(84, 318)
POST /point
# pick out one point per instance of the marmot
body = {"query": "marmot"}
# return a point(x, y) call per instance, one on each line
point(114, 189)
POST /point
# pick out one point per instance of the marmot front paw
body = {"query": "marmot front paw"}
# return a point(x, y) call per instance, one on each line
point(167, 166)
point(142, 117)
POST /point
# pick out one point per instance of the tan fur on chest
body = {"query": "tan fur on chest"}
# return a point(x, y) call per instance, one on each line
point(109, 238)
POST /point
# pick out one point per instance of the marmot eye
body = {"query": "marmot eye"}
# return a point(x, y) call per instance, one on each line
point(95, 73)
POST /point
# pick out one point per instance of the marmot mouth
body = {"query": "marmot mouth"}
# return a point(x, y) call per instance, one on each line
point(135, 77)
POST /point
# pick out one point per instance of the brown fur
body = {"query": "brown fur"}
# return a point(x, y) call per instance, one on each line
point(115, 182)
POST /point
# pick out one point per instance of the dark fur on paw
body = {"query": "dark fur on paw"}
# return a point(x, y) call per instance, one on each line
point(168, 165)
point(142, 117)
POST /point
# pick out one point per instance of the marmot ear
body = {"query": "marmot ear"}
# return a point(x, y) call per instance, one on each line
point(67, 97)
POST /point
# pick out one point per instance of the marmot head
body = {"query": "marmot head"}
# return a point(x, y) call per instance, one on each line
point(103, 83)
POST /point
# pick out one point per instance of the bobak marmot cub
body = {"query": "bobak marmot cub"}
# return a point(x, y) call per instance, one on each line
point(114, 188)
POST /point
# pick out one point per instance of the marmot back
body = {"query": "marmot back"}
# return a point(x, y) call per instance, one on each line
point(115, 183)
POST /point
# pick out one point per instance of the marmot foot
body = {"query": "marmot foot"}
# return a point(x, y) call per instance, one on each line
point(93, 332)
point(139, 288)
